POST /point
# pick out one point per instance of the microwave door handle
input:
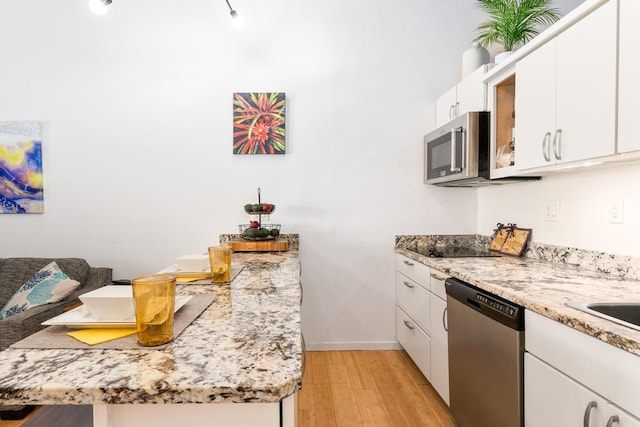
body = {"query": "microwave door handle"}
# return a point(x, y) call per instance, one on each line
point(454, 156)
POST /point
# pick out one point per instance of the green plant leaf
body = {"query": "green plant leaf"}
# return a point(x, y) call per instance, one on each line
point(513, 22)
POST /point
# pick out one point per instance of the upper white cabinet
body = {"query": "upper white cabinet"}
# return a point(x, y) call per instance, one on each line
point(565, 94)
point(468, 95)
point(629, 83)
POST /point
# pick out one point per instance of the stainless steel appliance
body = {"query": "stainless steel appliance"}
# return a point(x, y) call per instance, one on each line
point(457, 154)
point(486, 357)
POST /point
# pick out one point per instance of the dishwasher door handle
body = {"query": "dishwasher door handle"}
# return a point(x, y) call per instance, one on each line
point(474, 304)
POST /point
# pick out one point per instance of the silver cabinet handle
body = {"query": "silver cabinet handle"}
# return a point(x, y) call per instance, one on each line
point(438, 277)
point(557, 144)
point(457, 109)
point(587, 412)
point(303, 362)
point(301, 292)
point(408, 285)
point(444, 319)
point(452, 110)
point(545, 145)
point(454, 156)
point(612, 419)
point(410, 264)
point(408, 325)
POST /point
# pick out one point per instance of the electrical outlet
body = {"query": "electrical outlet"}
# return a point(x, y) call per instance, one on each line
point(616, 212)
point(552, 210)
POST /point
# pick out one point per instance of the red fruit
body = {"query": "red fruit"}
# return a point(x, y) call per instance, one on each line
point(266, 207)
point(254, 224)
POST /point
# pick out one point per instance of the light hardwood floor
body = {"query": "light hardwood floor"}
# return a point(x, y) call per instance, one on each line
point(339, 388)
point(368, 388)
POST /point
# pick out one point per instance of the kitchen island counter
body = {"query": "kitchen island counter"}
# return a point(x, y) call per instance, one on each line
point(545, 288)
point(244, 348)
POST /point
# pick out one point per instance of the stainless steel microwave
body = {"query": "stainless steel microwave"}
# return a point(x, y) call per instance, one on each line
point(458, 150)
point(457, 154)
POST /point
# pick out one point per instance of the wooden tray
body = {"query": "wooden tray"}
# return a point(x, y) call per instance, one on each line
point(516, 241)
point(510, 240)
point(277, 245)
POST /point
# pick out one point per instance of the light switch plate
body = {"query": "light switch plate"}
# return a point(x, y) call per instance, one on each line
point(552, 210)
point(616, 211)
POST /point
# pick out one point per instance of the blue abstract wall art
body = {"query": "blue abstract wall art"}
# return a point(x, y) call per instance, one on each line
point(21, 167)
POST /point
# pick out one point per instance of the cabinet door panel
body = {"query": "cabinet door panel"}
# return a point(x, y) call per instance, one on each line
point(415, 342)
point(472, 93)
point(535, 110)
point(439, 348)
point(553, 399)
point(445, 106)
point(629, 84)
point(624, 419)
point(414, 270)
point(414, 300)
point(586, 86)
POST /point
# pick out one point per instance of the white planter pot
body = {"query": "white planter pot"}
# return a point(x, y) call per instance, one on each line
point(502, 56)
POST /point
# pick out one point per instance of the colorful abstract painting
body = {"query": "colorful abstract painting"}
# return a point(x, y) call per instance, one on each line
point(21, 167)
point(258, 123)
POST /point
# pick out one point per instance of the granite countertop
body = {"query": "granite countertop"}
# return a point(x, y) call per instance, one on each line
point(544, 288)
point(246, 347)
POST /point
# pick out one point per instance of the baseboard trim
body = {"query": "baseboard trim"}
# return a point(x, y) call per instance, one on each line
point(333, 346)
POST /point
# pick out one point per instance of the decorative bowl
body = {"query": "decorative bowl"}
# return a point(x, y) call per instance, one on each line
point(265, 232)
point(110, 302)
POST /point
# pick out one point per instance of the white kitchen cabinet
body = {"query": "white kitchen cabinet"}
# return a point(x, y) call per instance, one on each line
point(553, 399)
point(565, 370)
point(468, 95)
point(565, 94)
point(628, 84)
point(414, 300)
point(421, 320)
point(415, 342)
point(439, 336)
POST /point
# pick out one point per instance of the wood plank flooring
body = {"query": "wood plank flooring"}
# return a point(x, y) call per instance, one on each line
point(368, 388)
point(339, 388)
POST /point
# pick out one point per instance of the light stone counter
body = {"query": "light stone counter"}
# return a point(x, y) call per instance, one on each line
point(545, 287)
point(246, 347)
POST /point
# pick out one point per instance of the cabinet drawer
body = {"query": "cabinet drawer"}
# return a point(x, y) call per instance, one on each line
point(437, 283)
point(413, 270)
point(415, 342)
point(414, 300)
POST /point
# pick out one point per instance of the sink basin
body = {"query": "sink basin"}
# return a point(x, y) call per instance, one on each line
point(623, 313)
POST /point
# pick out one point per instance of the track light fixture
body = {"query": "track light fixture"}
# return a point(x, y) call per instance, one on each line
point(99, 7)
point(238, 21)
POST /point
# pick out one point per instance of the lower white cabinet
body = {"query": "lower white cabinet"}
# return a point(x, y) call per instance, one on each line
point(415, 342)
point(421, 321)
point(553, 399)
point(572, 379)
point(439, 337)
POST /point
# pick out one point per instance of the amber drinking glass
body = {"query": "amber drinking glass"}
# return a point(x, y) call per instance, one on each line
point(154, 301)
point(220, 261)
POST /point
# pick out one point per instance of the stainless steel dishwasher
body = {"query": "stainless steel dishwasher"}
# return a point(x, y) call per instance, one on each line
point(486, 351)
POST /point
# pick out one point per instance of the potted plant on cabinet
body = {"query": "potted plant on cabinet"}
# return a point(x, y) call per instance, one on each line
point(513, 22)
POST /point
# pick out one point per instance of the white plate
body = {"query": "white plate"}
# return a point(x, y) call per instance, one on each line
point(80, 318)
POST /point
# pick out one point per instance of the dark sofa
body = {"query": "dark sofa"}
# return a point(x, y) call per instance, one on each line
point(14, 272)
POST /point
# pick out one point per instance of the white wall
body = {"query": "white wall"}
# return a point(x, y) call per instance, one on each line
point(138, 163)
point(585, 198)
